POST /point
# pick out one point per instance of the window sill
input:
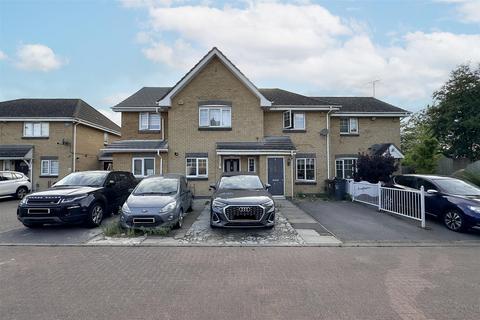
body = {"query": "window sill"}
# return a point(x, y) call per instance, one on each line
point(53, 176)
point(214, 128)
point(350, 134)
point(36, 138)
point(306, 182)
point(294, 130)
point(149, 131)
point(197, 178)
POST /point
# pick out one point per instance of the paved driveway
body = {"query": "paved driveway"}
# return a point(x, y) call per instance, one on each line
point(350, 221)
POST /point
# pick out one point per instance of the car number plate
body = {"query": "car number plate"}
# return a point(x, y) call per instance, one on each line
point(38, 210)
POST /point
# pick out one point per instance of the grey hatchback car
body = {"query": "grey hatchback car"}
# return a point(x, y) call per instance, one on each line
point(157, 201)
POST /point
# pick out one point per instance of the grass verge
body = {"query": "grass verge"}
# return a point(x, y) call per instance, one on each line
point(114, 229)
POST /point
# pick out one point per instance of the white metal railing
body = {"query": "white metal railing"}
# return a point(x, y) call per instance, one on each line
point(407, 203)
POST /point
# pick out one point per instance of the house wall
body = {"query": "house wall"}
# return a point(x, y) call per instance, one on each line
point(58, 144)
point(379, 130)
point(89, 142)
point(130, 127)
point(306, 142)
point(214, 82)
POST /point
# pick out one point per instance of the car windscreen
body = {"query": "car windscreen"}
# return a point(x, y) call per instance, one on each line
point(457, 187)
point(240, 183)
point(92, 179)
point(157, 186)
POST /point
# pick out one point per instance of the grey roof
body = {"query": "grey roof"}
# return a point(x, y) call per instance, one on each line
point(145, 97)
point(14, 150)
point(360, 104)
point(267, 143)
point(55, 108)
point(380, 148)
point(137, 144)
point(285, 98)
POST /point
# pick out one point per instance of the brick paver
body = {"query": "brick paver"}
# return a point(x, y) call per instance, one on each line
point(238, 283)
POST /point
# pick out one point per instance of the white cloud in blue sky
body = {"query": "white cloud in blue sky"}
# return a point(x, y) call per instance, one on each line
point(311, 47)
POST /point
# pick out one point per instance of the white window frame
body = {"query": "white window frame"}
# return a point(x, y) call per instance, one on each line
point(48, 165)
point(350, 121)
point(254, 165)
point(143, 175)
point(343, 166)
point(148, 127)
point(105, 138)
point(196, 166)
point(305, 170)
point(43, 126)
point(209, 108)
point(289, 120)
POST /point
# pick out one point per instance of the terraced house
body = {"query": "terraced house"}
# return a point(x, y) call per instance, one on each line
point(215, 120)
point(48, 138)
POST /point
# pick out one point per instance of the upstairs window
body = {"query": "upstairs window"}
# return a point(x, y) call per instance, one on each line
point(105, 138)
point(215, 117)
point(293, 120)
point(149, 121)
point(36, 129)
point(348, 125)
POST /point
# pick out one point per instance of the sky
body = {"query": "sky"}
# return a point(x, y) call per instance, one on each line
point(103, 51)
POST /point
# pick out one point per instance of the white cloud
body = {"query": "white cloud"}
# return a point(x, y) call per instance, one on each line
point(308, 46)
point(469, 10)
point(38, 57)
point(3, 56)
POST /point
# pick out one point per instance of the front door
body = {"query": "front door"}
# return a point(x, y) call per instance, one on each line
point(231, 165)
point(275, 176)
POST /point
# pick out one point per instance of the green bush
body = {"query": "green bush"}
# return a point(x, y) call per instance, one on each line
point(471, 173)
point(114, 229)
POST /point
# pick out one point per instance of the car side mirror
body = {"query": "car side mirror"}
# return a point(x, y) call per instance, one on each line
point(432, 191)
point(213, 187)
point(268, 186)
point(110, 183)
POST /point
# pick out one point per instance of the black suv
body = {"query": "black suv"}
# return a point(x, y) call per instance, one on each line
point(79, 197)
point(241, 200)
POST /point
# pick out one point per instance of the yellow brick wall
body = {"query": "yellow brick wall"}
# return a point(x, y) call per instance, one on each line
point(130, 127)
point(214, 82)
point(89, 143)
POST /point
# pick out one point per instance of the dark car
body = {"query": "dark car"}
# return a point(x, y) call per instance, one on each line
point(80, 197)
point(156, 201)
point(241, 200)
point(455, 202)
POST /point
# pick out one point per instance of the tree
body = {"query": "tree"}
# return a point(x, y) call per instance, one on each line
point(421, 149)
point(454, 119)
point(374, 168)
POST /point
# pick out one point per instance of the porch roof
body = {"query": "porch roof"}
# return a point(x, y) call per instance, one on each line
point(16, 151)
point(125, 146)
point(270, 145)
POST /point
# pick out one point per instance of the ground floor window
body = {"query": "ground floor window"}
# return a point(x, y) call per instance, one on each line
point(143, 167)
point(305, 169)
point(251, 165)
point(49, 168)
point(197, 167)
point(346, 168)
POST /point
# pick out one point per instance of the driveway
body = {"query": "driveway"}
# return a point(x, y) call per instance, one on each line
point(355, 222)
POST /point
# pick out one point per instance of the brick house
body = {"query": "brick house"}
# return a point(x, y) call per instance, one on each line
point(215, 120)
point(48, 138)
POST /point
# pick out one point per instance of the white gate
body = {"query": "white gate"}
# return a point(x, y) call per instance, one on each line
point(407, 203)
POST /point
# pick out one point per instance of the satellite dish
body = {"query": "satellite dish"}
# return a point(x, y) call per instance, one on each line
point(324, 132)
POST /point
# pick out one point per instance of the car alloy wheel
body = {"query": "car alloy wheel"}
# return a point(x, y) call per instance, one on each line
point(453, 220)
point(180, 220)
point(21, 193)
point(96, 214)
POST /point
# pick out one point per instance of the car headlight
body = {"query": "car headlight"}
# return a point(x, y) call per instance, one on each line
point(74, 198)
point(269, 203)
point(169, 207)
point(474, 209)
point(24, 200)
point(126, 209)
point(216, 204)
